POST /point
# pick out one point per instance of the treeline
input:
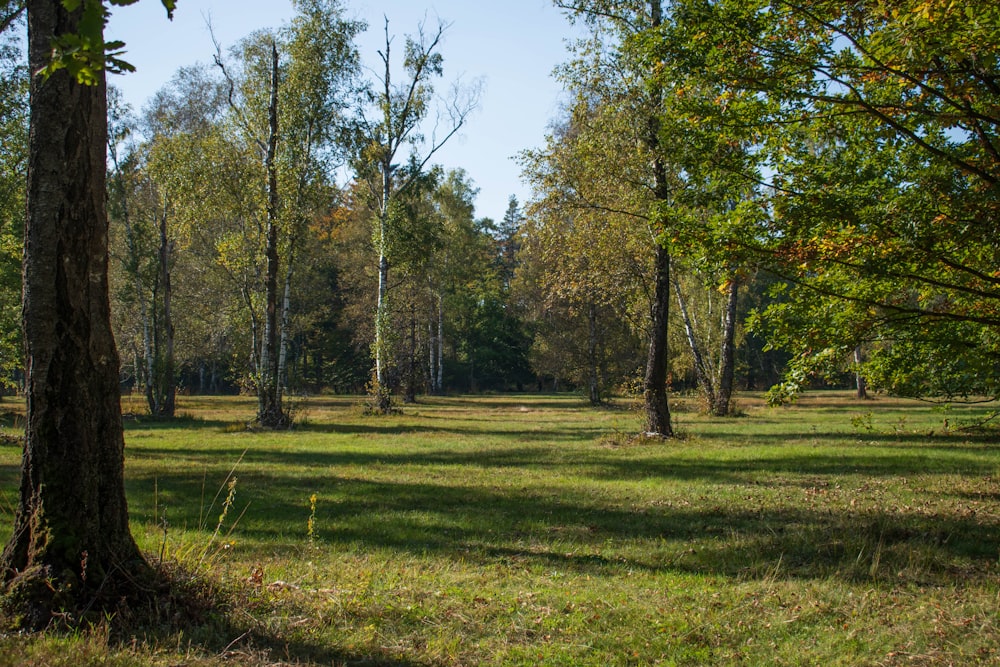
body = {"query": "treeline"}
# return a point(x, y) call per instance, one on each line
point(737, 195)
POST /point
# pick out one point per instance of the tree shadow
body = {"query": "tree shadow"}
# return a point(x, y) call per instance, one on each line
point(193, 609)
point(546, 527)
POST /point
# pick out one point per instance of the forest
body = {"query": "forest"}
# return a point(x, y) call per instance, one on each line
point(777, 196)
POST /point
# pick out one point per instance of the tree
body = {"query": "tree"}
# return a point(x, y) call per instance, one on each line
point(616, 84)
point(580, 285)
point(882, 136)
point(396, 114)
point(307, 73)
point(144, 209)
point(71, 542)
point(509, 239)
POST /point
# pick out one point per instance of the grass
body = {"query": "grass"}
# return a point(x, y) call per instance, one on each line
point(523, 530)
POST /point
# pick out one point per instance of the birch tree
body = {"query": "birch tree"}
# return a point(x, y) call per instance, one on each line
point(618, 84)
point(287, 103)
point(395, 119)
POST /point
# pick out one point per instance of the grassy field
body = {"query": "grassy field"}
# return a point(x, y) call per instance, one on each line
point(524, 530)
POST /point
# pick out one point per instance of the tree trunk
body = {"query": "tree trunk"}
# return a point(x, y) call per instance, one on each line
point(271, 412)
point(410, 396)
point(593, 363)
point(71, 544)
point(727, 358)
point(166, 383)
point(381, 394)
point(439, 381)
point(701, 370)
point(431, 361)
point(286, 317)
point(655, 381)
point(859, 379)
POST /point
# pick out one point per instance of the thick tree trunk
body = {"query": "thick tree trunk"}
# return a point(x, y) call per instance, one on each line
point(655, 381)
point(71, 544)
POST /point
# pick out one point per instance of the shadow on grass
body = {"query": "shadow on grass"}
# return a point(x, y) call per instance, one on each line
point(534, 527)
point(237, 638)
point(540, 431)
point(900, 438)
point(547, 497)
point(605, 465)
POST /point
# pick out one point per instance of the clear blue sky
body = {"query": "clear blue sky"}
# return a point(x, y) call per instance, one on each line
point(512, 46)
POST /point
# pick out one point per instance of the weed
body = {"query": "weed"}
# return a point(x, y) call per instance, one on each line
point(311, 522)
point(863, 422)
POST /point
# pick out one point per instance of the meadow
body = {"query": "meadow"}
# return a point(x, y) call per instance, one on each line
point(536, 530)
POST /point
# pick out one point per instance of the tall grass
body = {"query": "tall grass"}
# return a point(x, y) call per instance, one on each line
point(521, 530)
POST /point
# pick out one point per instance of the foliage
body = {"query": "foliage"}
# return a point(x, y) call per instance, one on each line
point(878, 124)
point(13, 167)
point(84, 53)
point(389, 122)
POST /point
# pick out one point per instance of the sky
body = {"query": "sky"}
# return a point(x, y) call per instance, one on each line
point(512, 46)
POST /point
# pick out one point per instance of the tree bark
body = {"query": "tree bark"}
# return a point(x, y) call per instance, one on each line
point(701, 369)
point(655, 381)
point(722, 405)
point(439, 380)
point(593, 363)
point(859, 379)
point(71, 546)
point(166, 383)
point(410, 395)
point(271, 413)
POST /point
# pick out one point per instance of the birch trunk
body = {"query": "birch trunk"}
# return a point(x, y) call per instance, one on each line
point(701, 369)
point(271, 412)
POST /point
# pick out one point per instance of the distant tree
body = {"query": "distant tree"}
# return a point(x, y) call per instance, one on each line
point(391, 122)
point(286, 103)
point(509, 238)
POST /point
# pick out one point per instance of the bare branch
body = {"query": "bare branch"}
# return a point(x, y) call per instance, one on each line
point(241, 118)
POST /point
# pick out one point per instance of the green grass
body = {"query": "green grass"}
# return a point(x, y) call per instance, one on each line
point(523, 530)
